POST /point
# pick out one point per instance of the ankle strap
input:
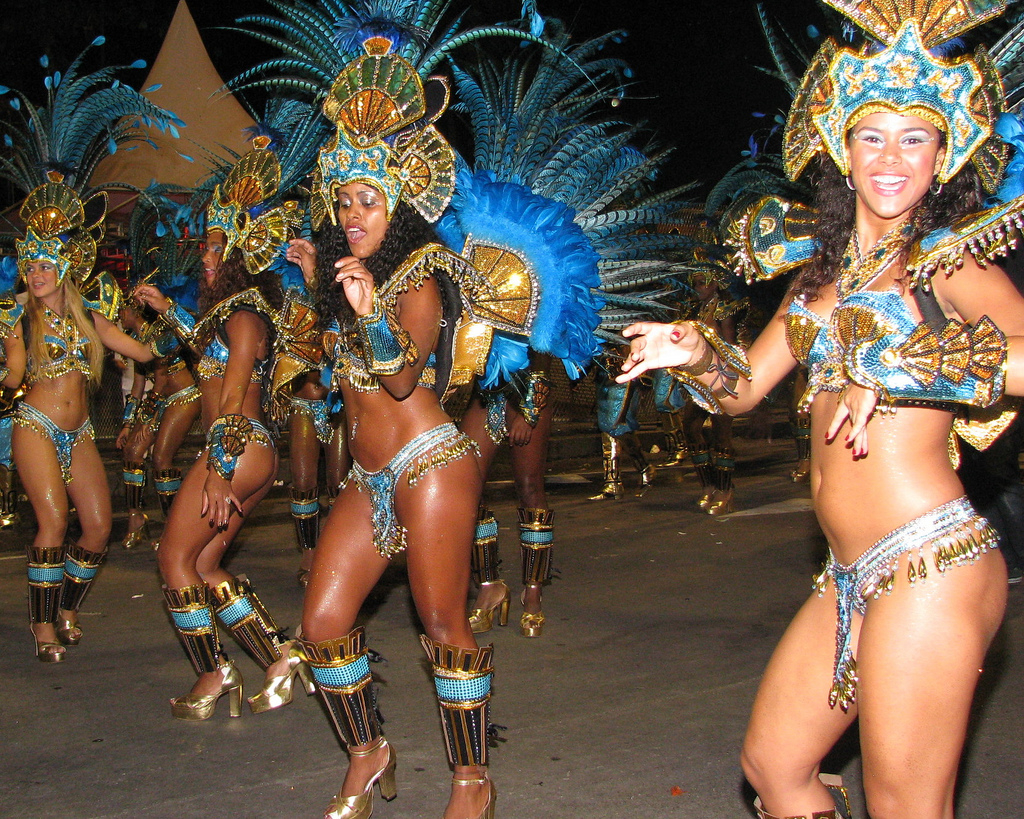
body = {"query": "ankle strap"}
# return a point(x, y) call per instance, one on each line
point(482, 781)
point(370, 749)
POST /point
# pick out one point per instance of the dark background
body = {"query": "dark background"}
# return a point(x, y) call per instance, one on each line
point(696, 76)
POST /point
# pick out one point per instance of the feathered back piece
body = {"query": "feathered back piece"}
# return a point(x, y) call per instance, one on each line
point(961, 96)
point(556, 188)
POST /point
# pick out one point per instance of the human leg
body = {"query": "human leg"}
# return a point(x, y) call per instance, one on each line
point(700, 453)
point(724, 465)
point(536, 529)
point(918, 662)
point(304, 454)
point(177, 421)
point(134, 478)
point(439, 513)
point(189, 559)
point(792, 727)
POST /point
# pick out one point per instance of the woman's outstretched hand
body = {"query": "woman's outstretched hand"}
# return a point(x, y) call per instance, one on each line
point(655, 346)
point(357, 282)
point(856, 405)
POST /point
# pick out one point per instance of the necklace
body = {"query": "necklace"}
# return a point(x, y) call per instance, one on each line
point(859, 270)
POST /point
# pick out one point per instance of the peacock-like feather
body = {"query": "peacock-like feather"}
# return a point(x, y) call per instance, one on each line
point(85, 118)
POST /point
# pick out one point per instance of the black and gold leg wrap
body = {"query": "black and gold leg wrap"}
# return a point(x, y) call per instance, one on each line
point(45, 578)
point(80, 569)
point(725, 466)
point(462, 677)
point(167, 482)
point(238, 608)
point(342, 671)
point(484, 562)
point(632, 445)
point(802, 435)
point(192, 613)
point(612, 488)
point(702, 466)
point(134, 477)
point(8, 497)
point(305, 505)
point(536, 536)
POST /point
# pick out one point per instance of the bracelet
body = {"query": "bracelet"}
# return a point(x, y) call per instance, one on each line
point(181, 321)
point(534, 397)
point(131, 407)
point(226, 440)
point(731, 363)
point(387, 346)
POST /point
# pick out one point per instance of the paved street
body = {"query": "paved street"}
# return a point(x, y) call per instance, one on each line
point(633, 703)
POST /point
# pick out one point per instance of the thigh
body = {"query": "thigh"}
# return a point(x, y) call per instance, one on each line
point(693, 425)
point(792, 727)
point(346, 567)
point(338, 460)
point(921, 649)
point(90, 493)
point(177, 421)
point(721, 431)
point(40, 475)
point(474, 424)
point(439, 513)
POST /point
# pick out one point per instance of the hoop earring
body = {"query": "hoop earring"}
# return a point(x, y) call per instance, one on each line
point(849, 183)
point(935, 191)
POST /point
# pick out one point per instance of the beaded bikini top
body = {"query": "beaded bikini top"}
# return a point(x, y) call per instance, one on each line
point(67, 347)
point(214, 360)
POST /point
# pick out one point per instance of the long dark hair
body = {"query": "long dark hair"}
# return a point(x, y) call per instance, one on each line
point(836, 209)
point(406, 232)
point(234, 277)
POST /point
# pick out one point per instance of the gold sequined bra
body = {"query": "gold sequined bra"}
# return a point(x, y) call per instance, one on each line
point(67, 347)
point(872, 340)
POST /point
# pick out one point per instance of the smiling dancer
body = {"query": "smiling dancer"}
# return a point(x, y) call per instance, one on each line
point(913, 589)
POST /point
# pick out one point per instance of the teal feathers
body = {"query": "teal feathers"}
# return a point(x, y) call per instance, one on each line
point(85, 118)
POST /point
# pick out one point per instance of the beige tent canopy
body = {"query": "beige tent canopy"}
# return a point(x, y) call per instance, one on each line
point(190, 87)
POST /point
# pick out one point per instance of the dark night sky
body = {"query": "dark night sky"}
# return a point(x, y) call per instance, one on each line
point(695, 61)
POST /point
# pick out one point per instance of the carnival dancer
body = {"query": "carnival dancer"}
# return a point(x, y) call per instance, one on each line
point(245, 230)
point(520, 413)
point(912, 591)
point(158, 419)
point(58, 339)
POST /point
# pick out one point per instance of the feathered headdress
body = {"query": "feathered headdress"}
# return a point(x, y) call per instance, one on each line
point(900, 70)
point(239, 208)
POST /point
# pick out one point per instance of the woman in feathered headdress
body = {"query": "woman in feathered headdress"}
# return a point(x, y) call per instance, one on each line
point(57, 339)
point(388, 289)
point(246, 229)
point(913, 591)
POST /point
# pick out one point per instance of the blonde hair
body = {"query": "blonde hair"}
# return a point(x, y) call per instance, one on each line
point(35, 346)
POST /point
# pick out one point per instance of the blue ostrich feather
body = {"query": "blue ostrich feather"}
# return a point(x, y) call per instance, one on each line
point(182, 288)
point(8, 274)
point(543, 232)
point(290, 273)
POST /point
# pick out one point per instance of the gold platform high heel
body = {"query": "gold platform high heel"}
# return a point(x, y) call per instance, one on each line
point(68, 631)
point(139, 536)
point(277, 688)
point(360, 806)
point(481, 620)
point(492, 796)
point(201, 706)
point(47, 652)
point(530, 625)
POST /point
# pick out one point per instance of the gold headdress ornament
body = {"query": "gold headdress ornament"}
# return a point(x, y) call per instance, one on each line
point(961, 96)
point(238, 203)
point(60, 228)
point(384, 115)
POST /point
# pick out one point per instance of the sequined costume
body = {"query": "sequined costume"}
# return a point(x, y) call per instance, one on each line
point(63, 440)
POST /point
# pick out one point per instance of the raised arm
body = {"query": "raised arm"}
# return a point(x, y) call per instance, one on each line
point(114, 338)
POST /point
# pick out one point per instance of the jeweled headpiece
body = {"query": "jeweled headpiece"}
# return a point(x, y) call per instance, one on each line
point(383, 112)
point(239, 208)
point(961, 96)
point(60, 228)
